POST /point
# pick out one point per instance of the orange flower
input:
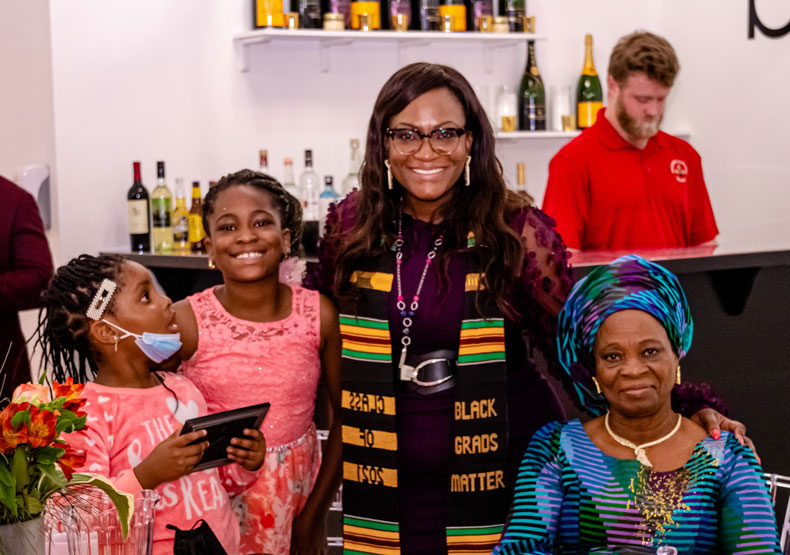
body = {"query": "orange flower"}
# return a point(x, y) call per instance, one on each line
point(71, 392)
point(71, 460)
point(31, 393)
point(42, 427)
point(9, 437)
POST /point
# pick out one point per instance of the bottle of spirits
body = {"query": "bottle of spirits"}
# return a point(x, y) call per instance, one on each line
point(309, 184)
point(531, 95)
point(139, 213)
point(515, 11)
point(351, 181)
point(161, 202)
point(197, 235)
point(181, 220)
point(328, 197)
point(263, 161)
point(589, 94)
point(289, 183)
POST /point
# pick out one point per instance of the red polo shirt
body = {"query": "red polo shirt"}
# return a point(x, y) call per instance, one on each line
point(607, 194)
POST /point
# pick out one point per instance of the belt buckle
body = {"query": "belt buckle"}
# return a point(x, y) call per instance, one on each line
point(416, 371)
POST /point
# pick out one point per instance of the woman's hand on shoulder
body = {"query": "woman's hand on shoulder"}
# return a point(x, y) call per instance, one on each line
point(187, 327)
point(714, 422)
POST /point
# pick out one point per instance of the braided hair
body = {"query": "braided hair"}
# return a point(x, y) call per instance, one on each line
point(290, 207)
point(63, 332)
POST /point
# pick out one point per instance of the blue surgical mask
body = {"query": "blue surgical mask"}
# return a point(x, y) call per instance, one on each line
point(156, 346)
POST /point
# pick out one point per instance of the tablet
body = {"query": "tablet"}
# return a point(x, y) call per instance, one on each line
point(221, 428)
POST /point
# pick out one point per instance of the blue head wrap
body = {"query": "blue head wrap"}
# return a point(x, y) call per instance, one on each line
point(628, 283)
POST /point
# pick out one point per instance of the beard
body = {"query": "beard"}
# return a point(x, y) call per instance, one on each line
point(633, 127)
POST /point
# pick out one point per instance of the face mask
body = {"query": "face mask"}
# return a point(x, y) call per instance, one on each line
point(156, 346)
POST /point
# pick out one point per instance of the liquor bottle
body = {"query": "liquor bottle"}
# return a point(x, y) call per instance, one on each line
point(531, 95)
point(309, 184)
point(139, 213)
point(351, 181)
point(328, 196)
point(477, 9)
point(515, 11)
point(289, 183)
point(428, 19)
point(310, 14)
point(263, 161)
point(589, 94)
point(455, 9)
point(161, 202)
point(370, 7)
point(197, 235)
point(181, 220)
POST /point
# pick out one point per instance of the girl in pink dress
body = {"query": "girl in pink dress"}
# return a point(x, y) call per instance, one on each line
point(103, 318)
point(256, 339)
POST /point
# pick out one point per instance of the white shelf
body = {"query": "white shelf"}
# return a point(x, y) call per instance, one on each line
point(535, 135)
point(403, 40)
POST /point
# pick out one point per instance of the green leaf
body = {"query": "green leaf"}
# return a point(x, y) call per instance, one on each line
point(20, 417)
point(19, 468)
point(124, 502)
point(52, 479)
point(48, 455)
point(8, 488)
point(33, 505)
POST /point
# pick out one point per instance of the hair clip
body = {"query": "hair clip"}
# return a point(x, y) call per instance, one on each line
point(101, 299)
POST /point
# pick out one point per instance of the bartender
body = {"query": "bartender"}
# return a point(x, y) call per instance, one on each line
point(623, 183)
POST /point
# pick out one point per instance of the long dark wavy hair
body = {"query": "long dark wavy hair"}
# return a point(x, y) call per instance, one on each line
point(481, 208)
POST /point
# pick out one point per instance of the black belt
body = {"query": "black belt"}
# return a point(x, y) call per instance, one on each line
point(433, 372)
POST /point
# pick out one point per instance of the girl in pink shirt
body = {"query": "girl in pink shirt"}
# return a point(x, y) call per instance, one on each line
point(256, 339)
point(92, 307)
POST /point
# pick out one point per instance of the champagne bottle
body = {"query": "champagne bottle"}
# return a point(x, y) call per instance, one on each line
point(589, 94)
point(181, 220)
point(310, 14)
point(370, 7)
point(515, 11)
point(161, 201)
point(455, 9)
point(197, 235)
point(351, 181)
point(531, 95)
point(429, 19)
point(139, 213)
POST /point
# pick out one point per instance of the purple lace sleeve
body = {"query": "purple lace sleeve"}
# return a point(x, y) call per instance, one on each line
point(338, 221)
point(689, 398)
point(545, 282)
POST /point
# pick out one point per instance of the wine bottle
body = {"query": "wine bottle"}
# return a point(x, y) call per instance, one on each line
point(263, 161)
point(589, 94)
point(531, 95)
point(515, 11)
point(197, 235)
point(139, 213)
point(181, 220)
point(455, 9)
point(309, 184)
point(351, 181)
point(161, 202)
point(289, 183)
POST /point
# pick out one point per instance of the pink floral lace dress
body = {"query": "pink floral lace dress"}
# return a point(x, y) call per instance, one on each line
point(240, 363)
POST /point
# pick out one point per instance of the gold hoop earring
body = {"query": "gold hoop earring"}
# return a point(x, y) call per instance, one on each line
point(389, 174)
point(597, 385)
point(467, 172)
point(116, 343)
point(211, 264)
point(677, 375)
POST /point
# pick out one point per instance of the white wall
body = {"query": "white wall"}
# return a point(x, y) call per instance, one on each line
point(158, 80)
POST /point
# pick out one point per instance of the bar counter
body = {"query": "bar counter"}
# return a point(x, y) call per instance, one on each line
point(739, 292)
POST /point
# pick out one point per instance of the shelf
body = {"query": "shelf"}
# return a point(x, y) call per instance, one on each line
point(536, 135)
point(403, 40)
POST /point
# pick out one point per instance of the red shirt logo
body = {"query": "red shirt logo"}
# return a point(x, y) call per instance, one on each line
point(680, 169)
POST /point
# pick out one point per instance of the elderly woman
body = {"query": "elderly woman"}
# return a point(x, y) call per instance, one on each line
point(639, 477)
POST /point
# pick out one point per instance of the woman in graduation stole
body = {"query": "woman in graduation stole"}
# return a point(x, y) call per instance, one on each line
point(439, 271)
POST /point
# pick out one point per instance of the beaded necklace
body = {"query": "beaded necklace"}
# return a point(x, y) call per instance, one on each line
point(406, 371)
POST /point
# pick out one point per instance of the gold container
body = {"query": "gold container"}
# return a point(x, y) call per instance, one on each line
point(508, 123)
point(529, 24)
point(334, 22)
point(569, 123)
point(447, 23)
point(400, 22)
point(292, 20)
point(485, 23)
point(501, 24)
point(364, 21)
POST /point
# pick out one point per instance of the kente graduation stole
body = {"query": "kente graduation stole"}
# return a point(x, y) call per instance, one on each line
point(478, 499)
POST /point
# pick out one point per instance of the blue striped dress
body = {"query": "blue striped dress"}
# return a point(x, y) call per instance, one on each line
point(572, 498)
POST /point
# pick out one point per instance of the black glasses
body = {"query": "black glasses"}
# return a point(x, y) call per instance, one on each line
point(443, 140)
